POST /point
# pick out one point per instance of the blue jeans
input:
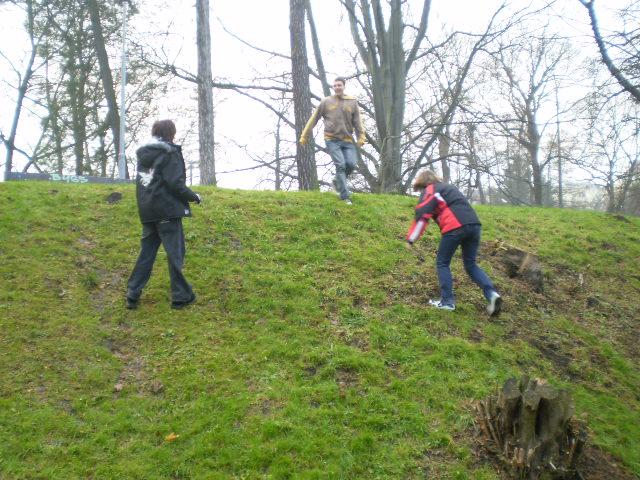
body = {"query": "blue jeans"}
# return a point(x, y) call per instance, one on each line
point(467, 237)
point(343, 155)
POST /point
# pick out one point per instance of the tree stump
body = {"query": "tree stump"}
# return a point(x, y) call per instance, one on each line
point(528, 424)
point(520, 264)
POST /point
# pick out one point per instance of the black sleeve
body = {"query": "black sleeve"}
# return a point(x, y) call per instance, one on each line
point(427, 205)
point(175, 177)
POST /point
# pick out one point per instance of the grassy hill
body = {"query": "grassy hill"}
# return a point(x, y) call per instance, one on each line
point(310, 353)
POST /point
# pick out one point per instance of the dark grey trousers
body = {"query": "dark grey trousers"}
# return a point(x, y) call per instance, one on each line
point(171, 235)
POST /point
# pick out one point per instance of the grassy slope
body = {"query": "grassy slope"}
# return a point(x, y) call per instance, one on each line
point(310, 353)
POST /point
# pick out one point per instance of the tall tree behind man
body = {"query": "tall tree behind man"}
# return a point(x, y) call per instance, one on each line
point(305, 160)
point(205, 95)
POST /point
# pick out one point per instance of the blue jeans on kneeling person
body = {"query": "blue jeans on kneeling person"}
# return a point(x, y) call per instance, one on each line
point(468, 238)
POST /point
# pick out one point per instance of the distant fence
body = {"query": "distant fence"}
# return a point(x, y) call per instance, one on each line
point(56, 177)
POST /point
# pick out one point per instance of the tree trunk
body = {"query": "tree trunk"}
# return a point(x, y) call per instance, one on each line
point(55, 126)
point(278, 167)
point(305, 160)
point(9, 142)
point(444, 145)
point(76, 93)
point(610, 188)
point(473, 163)
point(520, 264)
point(205, 95)
point(625, 186)
point(53, 120)
point(615, 71)
point(78, 68)
point(326, 90)
point(560, 185)
point(389, 91)
point(113, 115)
point(531, 142)
point(382, 50)
point(528, 424)
point(102, 154)
point(536, 175)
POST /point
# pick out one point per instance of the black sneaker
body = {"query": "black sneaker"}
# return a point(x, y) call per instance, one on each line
point(495, 304)
point(132, 304)
point(181, 305)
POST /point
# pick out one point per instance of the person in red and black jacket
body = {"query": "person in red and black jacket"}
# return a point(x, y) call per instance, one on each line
point(459, 226)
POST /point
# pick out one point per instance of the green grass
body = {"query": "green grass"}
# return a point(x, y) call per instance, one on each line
point(310, 353)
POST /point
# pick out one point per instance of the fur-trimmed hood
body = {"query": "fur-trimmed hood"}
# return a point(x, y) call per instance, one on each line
point(149, 153)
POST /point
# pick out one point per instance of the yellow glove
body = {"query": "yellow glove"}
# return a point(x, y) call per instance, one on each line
point(360, 142)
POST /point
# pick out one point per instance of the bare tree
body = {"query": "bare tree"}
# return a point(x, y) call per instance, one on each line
point(631, 50)
point(68, 94)
point(473, 163)
point(205, 95)
point(71, 91)
point(415, 108)
point(445, 72)
point(24, 82)
point(381, 47)
point(317, 52)
point(53, 152)
point(525, 72)
point(611, 153)
point(307, 171)
point(77, 64)
point(371, 163)
point(276, 160)
point(113, 115)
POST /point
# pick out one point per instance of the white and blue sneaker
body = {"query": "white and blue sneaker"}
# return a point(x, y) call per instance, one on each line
point(495, 304)
point(442, 306)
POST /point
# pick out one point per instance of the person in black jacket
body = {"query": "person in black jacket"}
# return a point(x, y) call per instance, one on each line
point(459, 226)
point(163, 199)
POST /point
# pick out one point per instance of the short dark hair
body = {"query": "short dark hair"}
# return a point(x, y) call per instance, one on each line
point(164, 129)
point(341, 79)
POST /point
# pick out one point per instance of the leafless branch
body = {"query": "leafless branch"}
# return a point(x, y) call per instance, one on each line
point(275, 54)
point(615, 71)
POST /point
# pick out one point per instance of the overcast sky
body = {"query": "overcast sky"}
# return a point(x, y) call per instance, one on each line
point(265, 25)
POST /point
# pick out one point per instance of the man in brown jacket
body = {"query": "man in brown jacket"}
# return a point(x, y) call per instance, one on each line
point(341, 117)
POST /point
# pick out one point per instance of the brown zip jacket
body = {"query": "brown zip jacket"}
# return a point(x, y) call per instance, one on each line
point(341, 117)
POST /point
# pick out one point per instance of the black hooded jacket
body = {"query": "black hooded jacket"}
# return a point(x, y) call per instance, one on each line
point(448, 208)
point(161, 188)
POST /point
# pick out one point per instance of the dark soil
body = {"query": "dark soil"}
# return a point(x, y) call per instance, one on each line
point(594, 464)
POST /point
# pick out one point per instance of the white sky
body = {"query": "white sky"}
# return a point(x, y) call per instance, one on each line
point(264, 24)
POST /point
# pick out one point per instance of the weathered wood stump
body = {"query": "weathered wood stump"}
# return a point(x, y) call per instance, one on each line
point(529, 425)
point(520, 264)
